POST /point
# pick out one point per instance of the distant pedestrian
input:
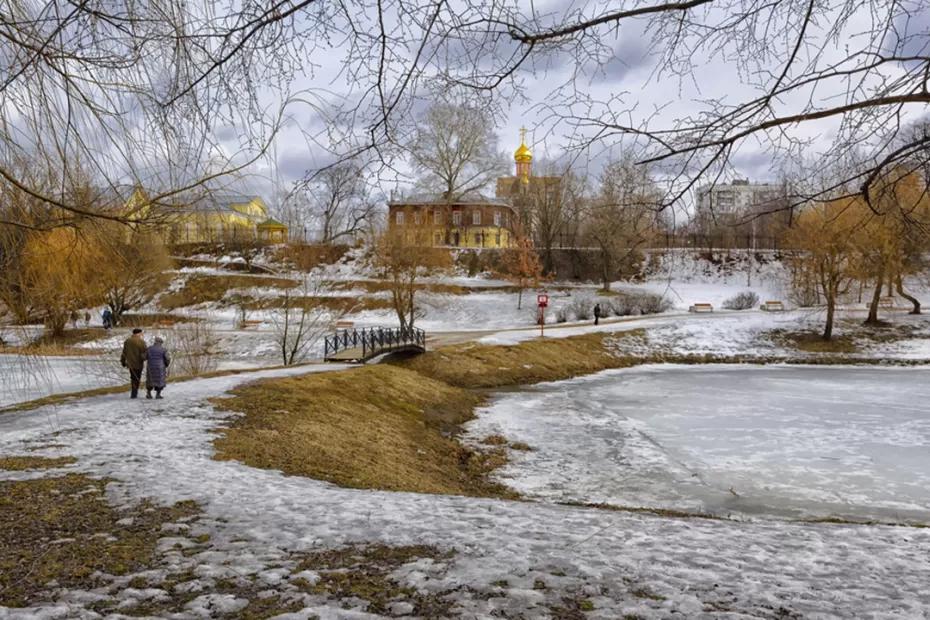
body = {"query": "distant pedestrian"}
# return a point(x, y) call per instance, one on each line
point(156, 368)
point(133, 358)
point(86, 319)
point(597, 313)
point(107, 317)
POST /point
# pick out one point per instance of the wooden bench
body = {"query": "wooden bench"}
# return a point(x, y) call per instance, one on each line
point(345, 324)
point(701, 308)
point(772, 306)
point(248, 324)
point(886, 302)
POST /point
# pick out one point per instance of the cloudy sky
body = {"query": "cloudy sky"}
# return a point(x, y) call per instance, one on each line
point(624, 72)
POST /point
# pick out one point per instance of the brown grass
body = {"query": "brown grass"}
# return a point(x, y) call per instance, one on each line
point(489, 366)
point(364, 572)
point(811, 342)
point(23, 463)
point(338, 304)
point(52, 529)
point(379, 427)
point(202, 288)
point(379, 286)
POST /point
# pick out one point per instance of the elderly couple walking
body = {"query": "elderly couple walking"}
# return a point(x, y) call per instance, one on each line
point(137, 354)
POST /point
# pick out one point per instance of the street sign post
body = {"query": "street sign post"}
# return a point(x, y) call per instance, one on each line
point(542, 301)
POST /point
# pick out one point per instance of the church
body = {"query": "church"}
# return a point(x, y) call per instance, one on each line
point(476, 221)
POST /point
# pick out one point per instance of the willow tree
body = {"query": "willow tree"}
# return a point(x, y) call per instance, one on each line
point(825, 252)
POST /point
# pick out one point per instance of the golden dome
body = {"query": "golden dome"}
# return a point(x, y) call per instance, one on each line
point(523, 155)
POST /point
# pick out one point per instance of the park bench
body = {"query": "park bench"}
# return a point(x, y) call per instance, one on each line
point(345, 324)
point(249, 323)
point(701, 308)
point(886, 303)
point(773, 306)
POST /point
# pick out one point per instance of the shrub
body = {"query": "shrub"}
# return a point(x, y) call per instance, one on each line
point(627, 304)
point(582, 308)
point(650, 303)
point(742, 301)
point(193, 347)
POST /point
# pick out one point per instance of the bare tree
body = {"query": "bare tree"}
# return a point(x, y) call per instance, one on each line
point(340, 202)
point(299, 321)
point(454, 151)
point(133, 270)
point(622, 218)
point(403, 257)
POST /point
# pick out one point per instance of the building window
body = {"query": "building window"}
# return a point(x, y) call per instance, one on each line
point(399, 218)
point(437, 216)
point(417, 218)
point(457, 218)
point(476, 218)
point(497, 218)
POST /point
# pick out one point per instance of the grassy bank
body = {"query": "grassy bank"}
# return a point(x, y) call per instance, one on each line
point(202, 288)
point(394, 426)
point(380, 427)
point(473, 365)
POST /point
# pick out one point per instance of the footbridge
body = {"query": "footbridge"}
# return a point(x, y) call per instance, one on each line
point(361, 345)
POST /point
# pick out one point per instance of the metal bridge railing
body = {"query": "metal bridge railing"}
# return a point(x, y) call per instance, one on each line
point(373, 340)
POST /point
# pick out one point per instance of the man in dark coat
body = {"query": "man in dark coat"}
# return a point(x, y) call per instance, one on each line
point(133, 358)
point(156, 368)
point(597, 313)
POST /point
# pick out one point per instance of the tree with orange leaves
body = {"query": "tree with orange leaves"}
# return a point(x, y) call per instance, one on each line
point(521, 265)
point(60, 271)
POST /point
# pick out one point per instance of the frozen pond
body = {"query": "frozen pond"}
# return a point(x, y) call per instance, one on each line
point(784, 441)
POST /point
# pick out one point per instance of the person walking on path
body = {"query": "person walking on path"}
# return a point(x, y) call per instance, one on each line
point(156, 368)
point(597, 313)
point(133, 358)
point(107, 318)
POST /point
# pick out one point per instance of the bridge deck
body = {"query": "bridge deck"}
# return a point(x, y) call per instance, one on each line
point(363, 345)
point(357, 354)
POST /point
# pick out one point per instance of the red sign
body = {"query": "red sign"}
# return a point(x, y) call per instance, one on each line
point(542, 300)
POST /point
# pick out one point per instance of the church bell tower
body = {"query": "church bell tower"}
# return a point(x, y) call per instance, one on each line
point(523, 159)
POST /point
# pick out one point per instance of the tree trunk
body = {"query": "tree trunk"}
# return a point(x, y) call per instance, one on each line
point(520, 299)
point(831, 309)
point(899, 283)
point(872, 319)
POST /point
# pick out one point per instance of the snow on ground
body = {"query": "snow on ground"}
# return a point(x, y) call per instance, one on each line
point(27, 377)
point(726, 440)
point(688, 567)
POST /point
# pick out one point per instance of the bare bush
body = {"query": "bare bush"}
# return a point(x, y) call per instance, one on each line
point(582, 308)
point(193, 347)
point(742, 301)
point(301, 321)
point(629, 304)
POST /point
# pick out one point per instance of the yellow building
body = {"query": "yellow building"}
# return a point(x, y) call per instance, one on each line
point(213, 217)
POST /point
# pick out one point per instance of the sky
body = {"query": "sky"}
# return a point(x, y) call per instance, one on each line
point(618, 71)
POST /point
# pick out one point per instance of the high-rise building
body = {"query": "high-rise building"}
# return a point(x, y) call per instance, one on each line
point(728, 203)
